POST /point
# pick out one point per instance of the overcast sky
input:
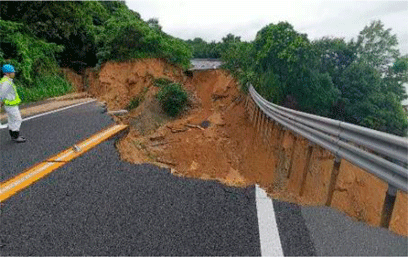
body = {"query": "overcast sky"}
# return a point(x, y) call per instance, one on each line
point(214, 19)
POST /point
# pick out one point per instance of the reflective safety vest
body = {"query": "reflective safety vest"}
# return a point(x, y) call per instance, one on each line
point(16, 100)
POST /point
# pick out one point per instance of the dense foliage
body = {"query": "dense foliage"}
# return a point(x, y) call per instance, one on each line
point(360, 81)
point(202, 49)
point(125, 36)
point(39, 37)
point(35, 62)
point(173, 98)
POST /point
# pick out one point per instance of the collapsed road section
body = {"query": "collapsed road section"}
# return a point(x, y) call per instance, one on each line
point(212, 139)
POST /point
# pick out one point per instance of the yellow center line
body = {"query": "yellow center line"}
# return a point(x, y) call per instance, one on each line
point(23, 180)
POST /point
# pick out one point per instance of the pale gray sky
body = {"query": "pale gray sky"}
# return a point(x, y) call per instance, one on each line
point(214, 19)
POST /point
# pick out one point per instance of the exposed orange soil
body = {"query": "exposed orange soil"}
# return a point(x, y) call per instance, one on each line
point(230, 149)
point(75, 79)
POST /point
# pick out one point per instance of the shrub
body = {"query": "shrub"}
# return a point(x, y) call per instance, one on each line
point(137, 100)
point(134, 103)
point(173, 98)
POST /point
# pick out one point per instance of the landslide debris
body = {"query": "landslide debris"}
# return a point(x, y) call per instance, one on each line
point(212, 139)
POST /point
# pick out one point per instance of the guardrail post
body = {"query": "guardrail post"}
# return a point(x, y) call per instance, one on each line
point(388, 206)
point(265, 129)
point(271, 128)
point(333, 180)
point(306, 170)
point(253, 111)
point(246, 102)
point(292, 156)
point(248, 105)
point(261, 122)
point(254, 114)
point(281, 137)
point(249, 110)
point(268, 132)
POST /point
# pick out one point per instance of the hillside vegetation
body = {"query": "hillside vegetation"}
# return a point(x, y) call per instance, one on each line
point(359, 81)
point(39, 37)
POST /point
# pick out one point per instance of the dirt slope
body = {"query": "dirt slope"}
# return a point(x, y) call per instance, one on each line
point(118, 83)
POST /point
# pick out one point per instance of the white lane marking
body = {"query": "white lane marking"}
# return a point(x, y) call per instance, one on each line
point(2, 126)
point(268, 229)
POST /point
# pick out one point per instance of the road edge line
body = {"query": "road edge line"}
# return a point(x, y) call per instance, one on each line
point(3, 126)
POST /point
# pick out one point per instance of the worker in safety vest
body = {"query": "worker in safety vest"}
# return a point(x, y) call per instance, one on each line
point(9, 97)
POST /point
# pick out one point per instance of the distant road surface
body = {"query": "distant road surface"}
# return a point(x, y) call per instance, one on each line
point(205, 64)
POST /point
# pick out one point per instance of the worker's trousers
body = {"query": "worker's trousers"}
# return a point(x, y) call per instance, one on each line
point(14, 117)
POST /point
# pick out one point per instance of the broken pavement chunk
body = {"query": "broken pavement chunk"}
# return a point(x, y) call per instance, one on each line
point(118, 112)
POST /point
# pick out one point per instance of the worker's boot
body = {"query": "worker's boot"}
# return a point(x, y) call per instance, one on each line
point(15, 136)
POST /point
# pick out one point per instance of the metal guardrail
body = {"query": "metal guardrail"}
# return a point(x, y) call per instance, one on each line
point(382, 154)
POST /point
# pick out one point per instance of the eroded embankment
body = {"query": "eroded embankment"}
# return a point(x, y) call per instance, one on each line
point(215, 139)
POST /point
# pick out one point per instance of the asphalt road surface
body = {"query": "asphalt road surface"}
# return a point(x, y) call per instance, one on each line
point(100, 205)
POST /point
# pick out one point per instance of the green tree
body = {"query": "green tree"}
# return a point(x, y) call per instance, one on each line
point(358, 82)
point(202, 49)
point(396, 76)
point(286, 62)
point(198, 46)
point(377, 46)
point(125, 36)
point(112, 6)
point(335, 56)
point(67, 23)
point(237, 59)
point(365, 102)
point(153, 23)
point(226, 42)
point(385, 113)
